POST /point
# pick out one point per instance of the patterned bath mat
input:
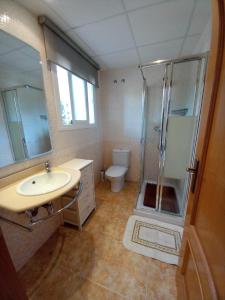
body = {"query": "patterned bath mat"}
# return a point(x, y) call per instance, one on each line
point(153, 238)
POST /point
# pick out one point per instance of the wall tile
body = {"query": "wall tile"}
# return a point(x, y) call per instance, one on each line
point(121, 115)
point(66, 144)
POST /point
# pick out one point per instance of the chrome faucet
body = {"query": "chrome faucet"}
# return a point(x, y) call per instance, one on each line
point(47, 167)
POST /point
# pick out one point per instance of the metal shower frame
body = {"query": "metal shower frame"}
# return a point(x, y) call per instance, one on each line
point(167, 85)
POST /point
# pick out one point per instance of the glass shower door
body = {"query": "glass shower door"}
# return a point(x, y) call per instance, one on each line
point(14, 124)
point(154, 94)
point(182, 108)
point(143, 132)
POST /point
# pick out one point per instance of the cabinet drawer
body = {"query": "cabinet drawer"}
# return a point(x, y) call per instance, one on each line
point(70, 216)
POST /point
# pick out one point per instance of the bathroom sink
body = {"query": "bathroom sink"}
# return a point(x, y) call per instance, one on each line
point(43, 183)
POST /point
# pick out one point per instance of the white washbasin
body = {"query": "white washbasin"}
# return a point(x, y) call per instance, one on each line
point(43, 183)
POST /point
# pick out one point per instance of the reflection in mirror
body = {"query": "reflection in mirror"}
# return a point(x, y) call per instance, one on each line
point(24, 130)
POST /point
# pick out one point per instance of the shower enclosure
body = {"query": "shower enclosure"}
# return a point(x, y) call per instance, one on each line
point(172, 96)
point(26, 122)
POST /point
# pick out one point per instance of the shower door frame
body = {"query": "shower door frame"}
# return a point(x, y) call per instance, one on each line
point(166, 98)
point(19, 118)
point(163, 131)
point(143, 131)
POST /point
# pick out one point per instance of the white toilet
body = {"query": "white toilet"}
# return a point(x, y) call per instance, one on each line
point(116, 173)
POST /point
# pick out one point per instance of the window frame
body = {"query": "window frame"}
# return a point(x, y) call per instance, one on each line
point(76, 124)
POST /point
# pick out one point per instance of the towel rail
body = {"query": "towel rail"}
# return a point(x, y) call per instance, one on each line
point(49, 207)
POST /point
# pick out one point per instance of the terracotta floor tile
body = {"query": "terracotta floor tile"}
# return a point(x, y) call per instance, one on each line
point(118, 279)
point(159, 272)
point(91, 291)
point(93, 263)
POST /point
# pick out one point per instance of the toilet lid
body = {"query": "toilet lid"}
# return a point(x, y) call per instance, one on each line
point(116, 171)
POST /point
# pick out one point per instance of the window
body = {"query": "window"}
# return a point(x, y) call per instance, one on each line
point(79, 98)
point(76, 98)
point(64, 96)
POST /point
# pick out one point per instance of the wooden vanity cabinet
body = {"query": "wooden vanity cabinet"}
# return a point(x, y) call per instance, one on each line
point(80, 211)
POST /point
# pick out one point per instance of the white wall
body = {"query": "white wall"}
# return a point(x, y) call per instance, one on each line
point(85, 143)
point(121, 115)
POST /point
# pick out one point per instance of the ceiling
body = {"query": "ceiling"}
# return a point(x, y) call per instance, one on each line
point(121, 33)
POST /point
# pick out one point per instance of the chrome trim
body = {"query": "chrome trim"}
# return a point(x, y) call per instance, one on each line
point(175, 60)
point(51, 213)
point(164, 132)
point(79, 189)
point(166, 106)
point(142, 73)
point(202, 58)
point(19, 119)
point(161, 146)
point(143, 131)
point(197, 87)
point(22, 86)
point(201, 82)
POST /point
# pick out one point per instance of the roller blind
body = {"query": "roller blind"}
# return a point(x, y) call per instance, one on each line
point(63, 51)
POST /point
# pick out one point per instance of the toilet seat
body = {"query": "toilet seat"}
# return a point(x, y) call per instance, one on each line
point(116, 171)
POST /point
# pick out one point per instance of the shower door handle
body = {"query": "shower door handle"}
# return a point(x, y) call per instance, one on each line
point(191, 170)
point(194, 173)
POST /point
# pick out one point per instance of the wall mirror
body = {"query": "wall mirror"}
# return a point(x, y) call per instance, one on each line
point(24, 129)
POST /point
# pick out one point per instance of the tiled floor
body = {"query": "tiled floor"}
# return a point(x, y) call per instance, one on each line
point(93, 264)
